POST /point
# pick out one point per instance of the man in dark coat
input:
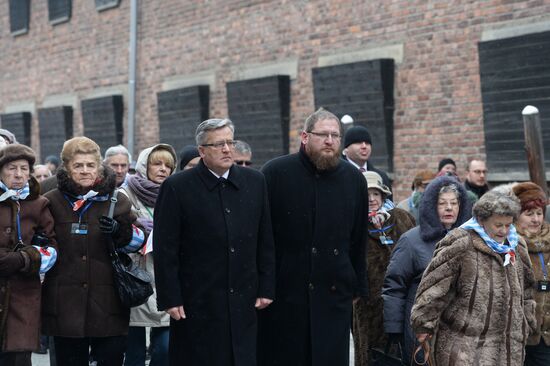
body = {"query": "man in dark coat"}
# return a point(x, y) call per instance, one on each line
point(319, 208)
point(214, 255)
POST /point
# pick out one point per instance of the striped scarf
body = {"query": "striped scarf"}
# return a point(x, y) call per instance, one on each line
point(14, 194)
point(501, 248)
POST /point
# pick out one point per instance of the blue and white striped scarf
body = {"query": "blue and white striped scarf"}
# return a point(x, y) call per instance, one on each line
point(493, 244)
point(14, 194)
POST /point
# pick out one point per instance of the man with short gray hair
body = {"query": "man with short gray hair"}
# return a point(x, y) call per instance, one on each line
point(214, 256)
point(243, 153)
point(118, 158)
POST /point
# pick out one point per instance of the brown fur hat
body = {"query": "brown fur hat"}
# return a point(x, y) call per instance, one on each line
point(530, 195)
point(79, 145)
point(14, 152)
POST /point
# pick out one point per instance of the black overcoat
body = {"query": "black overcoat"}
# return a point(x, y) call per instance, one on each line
point(213, 253)
point(319, 221)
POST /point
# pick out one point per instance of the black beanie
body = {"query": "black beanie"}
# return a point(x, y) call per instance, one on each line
point(357, 134)
point(444, 162)
point(187, 154)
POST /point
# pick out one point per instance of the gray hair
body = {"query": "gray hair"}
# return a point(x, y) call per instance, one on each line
point(210, 125)
point(117, 150)
point(495, 203)
point(243, 148)
point(450, 188)
point(320, 115)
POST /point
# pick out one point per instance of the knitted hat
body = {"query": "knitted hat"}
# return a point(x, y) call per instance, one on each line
point(530, 195)
point(374, 180)
point(187, 154)
point(14, 152)
point(444, 162)
point(357, 134)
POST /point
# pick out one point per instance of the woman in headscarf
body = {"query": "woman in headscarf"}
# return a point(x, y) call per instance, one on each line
point(385, 227)
point(476, 296)
point(26, 250)
point(536, 233)
point(444, 206)
point(81, 308)
point(154, 165)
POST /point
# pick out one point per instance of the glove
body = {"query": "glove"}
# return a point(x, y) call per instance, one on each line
point(11, 263)
point(40, 240)
point(146, 223)
point(108, 225)
point(396, 338)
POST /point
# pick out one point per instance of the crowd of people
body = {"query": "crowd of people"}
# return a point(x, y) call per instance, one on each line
point(268, 267)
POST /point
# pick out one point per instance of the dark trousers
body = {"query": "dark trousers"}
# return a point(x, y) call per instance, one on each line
point(107, 351)
point(135, 352)
point(15, 358)
point(538, 355)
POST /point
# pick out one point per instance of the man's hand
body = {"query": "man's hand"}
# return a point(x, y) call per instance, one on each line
point(262, 303)
point(177, 312)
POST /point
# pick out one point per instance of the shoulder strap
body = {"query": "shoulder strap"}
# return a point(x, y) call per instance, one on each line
point(113, 203)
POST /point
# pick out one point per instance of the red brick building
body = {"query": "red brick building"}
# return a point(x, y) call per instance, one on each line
point(429, 78)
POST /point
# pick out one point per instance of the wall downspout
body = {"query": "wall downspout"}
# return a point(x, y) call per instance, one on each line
point(132, 77)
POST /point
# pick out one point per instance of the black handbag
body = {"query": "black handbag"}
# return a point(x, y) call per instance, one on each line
point(132, 283)
point(381, 357)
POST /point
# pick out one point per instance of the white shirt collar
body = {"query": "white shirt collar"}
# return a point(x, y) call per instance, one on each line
point(225, 175)
point(357, 166)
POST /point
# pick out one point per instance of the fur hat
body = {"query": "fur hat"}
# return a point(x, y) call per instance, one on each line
point(530, 195)
point(374, 180)
point(444, 162)
point(357, 134)
point(14, 152)
point(79, 145)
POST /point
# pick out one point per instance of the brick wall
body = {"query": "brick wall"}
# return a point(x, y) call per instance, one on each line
point(438, 111)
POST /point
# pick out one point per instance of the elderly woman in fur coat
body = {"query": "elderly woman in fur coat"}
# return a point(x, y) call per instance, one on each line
point(444, 206)
point(385, 227)
point(476, 296)
point(536, 232)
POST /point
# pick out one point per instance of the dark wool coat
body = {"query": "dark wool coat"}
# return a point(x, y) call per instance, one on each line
point(410, 258)
point(368, 330)
point(481, 311)
point(540, 244)
point(79, 297)
point(213, 254)
point(319, 229)
point(20, 291)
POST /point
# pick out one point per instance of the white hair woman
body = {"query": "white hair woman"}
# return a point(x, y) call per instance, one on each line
point(477, 293)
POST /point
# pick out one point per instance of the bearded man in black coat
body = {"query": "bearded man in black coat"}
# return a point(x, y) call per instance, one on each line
point(319, 206)
point(213, 254)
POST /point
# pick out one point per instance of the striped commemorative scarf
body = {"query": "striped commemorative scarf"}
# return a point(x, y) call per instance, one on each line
point(14, 194)
point(508, 249)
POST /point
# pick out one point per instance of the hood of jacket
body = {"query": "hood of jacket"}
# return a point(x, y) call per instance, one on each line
point(143, 158)
point(431, 228)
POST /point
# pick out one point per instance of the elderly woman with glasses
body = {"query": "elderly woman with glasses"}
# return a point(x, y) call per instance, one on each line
point(386, 225)
point(476, 296)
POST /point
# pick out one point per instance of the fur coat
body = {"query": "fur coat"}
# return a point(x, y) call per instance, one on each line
point(480, 311)
point(368, 330)
point(540, 244)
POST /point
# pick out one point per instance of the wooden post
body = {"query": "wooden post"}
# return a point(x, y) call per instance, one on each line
point(533, 146)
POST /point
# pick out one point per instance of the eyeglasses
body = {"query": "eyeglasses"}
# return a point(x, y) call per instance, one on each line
point(326, 135)
point(243, 162)
point(221, 144)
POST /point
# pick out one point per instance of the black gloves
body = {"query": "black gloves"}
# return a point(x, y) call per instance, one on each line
point(40, 240)
point(396, 338)
point(108, 225)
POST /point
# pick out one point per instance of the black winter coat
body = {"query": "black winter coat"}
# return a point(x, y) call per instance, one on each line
point(410, 258)
point(213, 254)
point(319, 227)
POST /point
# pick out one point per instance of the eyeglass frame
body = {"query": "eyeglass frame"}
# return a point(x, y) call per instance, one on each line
point(243, 162)
point(325, 135)
point(221, 144)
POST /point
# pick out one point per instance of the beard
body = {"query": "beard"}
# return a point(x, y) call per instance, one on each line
point(322, 161)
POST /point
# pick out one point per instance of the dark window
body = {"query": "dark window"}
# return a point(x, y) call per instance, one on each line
point(19, 124)
point(19, 16)
point(56, 126)
point(260, 108)
point(180, 111)
point(106, 4)
point(59, 11)
point(514, 72)
point(103, 120)
point(363, 90)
